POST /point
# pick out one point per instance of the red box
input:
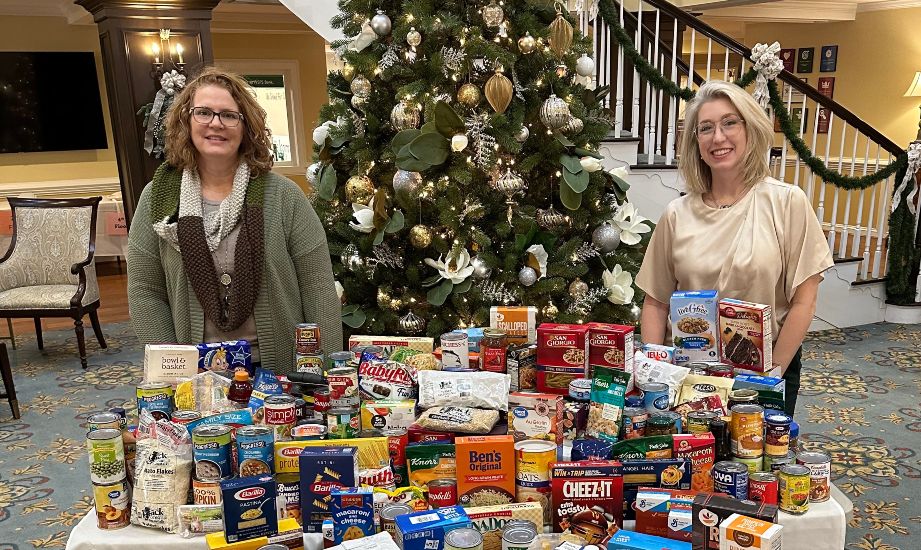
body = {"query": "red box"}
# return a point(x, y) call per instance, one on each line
point(562, 347)
point(610, 346)
point(587, 498)
point(700, 449)
point(416, 434)
point(653, 507)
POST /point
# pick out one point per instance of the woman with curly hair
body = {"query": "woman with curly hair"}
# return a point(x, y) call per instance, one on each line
point(221, 248)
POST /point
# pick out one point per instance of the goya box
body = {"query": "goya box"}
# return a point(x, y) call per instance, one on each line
point(353, 513)
point(629, 540)
point(745, 335)
point(485, 470)
point(610, 346)
point(562, 348)
point(663, 473)
point(587, 498)
point(694, 325)
point(535, 416)
point(386, 415)
point(426, 530)
point(738, 532)
point(701, 450)
point(322, 470)
point(428, 461)
point(710, 510)
point(249, 508)
point(518, 322)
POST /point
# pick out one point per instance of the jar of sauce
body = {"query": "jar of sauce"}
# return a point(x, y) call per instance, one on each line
point(493, 350)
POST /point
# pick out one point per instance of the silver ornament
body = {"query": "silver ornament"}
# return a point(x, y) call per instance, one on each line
point(406, 183)
point(493, 14)
point(585, 66)
point(635, 312)
point(405, 116)
point(481, 269)
point(351, 258)
point(510, 184)
point(360, 86)
point(606, 237)
point(359, 102)
point(312, 172)
point(527, 276)
point(412, 323)
point(573, 126)
point(522, 135)
point(550, 218)
point(554, 113)
point(381, 24)
point(413, 37)
point(578, 288)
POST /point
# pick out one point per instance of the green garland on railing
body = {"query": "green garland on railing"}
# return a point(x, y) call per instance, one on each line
point(904, 256)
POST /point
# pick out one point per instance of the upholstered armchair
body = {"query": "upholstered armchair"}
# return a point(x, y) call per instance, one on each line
point(49, 269)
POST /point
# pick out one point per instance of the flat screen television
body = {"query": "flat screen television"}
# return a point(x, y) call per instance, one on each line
point(49, 101)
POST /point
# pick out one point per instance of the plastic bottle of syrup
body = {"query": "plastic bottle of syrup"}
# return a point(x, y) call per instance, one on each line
point(240, 388)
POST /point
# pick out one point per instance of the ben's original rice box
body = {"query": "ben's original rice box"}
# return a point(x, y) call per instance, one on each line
point(323, 469)
point(490, 520)
point(535, 416)
point(610, 346)
point(518, 322)
point(385, 415)
point(738, 532)
point(629, 540)
point(485, 470)
point(746, 335)
point(711, 509)
point(426, 530)
point(390, 344)
point(353, 513)
point(700, 449)
point(587, 499)
point(694, 325)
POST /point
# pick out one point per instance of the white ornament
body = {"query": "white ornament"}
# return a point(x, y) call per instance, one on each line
point(585, 66)
point(522, 135)
point(459, 143)
point(363, 40)
point(312, 172)
point(527, 276)
point(413, 37)
point(619, 284)
point(540, 254)
point(381, 24)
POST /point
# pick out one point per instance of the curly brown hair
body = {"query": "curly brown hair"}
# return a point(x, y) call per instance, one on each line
point(256, 145)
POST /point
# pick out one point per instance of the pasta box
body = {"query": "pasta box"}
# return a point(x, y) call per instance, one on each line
point(322, 470)
point(485, 470)
point(662, 473)
point(518, 322)
point(353, 513)
point(426, 530)
point(562, 348)
point(630, 540)
point(745, 334)
point(694, 315)
point(535, 416)
point(711, 509)
point(587, 497)
point(610, 346)
point(249, 508)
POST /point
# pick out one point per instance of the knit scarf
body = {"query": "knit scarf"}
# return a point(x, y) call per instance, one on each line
point(176, 216)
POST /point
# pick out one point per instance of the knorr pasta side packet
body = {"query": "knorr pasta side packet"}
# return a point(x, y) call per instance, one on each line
point(605, 413)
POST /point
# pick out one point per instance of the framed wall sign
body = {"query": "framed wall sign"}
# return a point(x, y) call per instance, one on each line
point(822, 125)
point(788, 56)
point(829, 61)
point(804, 60)
point(800, 118)
point(827, 86)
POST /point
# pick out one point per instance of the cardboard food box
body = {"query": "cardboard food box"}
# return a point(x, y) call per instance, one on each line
point(518, 322)
point(426, 530)
point(610, 346)
point(535, 416)
point(521, 364)
point(323, 469)
point(289, 532)
point(587, 497)
point(662, 473)
point(226, 356)
point(550, 380)
point(760, 383)
point(653, 507)
point(681, 520)
point(738, 532)
point(630, 540)
point(490, 520)
point(700, 449)
point(353, 513)
point(385, 415)
point(390, 343)
point(373, 452)
point(169, 363)
point(746, 335)
point(485, 470)
point(249, 508)
point(428, 461)
point(695, 326)
point(562, 348)
point(711, 509)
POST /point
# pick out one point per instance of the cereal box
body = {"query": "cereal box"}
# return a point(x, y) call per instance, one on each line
point(322, 470)
point(562, 348)
point(490, 520)
point(390, 343)
point(353, 513)
point(694, 316)
point(629, 540)
point(738, 532)
point(587, 498)
point(485, 470)
point(610, 346)
point(701, 450)
point(711, 509)
point(428, 461)
point(169, 362)
point(426, 530)
point(385, 415)
point(681, 520)
point(518, 322)
point(535, 416)
point(662, 473)
point(249, 508)
point(745, 335)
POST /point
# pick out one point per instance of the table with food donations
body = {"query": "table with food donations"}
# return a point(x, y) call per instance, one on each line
point(519, 435)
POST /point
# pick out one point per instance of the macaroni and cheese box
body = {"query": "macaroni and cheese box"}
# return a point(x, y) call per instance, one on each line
point(629, 540)
point(518, 322)
point(322, 470)
point(700, 449)
point(385, 415)
point(711, 509)
point(745, 335)
point(249, 508)
point(426, 530)
point(694, 315)
point(738, 532)
point(353, 513)
point(485, 470)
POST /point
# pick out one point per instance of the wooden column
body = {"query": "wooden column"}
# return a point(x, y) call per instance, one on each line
point(127, 29)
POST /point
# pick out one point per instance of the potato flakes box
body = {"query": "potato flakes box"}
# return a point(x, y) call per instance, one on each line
point(518, 322)
point(535, 416)
point(485, 470)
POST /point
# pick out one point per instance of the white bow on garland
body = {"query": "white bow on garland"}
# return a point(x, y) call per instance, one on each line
point(914, 163)
point(170, 83)
point(768, 64)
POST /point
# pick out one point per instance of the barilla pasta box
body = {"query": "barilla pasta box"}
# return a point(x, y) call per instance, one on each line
point(169, 363)
point(745, 335)
point(700, 449)
point(711, 509)
point(322, 470)
point(653, 506)
point(630, 540)
point(485, 470)
point(353, 513)
point(536, 416)
point(738, 532)
point(388, 415)
point(426, 530)
point(610, 346)
point(661, 473)
point(249, 508)
point(226, 356)
point(423, 344)
point(587, 499)
point(518, 322)
point(695, 326)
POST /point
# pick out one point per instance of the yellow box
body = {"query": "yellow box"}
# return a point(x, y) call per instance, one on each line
point(490, 520)
point(373, 452)
point(383, 415)
point(288, 530)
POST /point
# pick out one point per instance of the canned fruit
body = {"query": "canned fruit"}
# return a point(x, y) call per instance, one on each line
point(794, 486)
point(113, 505)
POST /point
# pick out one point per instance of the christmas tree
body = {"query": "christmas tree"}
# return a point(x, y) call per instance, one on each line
point(457, 169)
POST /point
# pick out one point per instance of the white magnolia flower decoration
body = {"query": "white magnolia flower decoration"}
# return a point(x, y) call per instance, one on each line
point(541, 256)
point(459, 143)
point(364, 215)
point(363, 40)
point(620, 172)
point(590, 164)
point(619, 284)
point(321, 132)
point(630, 223)
point(339, 290)
point(457, 267)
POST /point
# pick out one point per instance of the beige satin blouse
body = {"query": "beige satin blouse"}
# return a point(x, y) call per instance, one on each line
point(760, 249)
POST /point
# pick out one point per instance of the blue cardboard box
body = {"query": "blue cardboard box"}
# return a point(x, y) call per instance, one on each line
point(760, 383)
point(426, 530)
point(323, 469)
point(222, 357)
point(249, 508)
point(353, 513)
point(628, 540)
point(695, 325)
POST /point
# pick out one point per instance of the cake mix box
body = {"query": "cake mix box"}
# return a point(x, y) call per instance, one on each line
point(535, 416)
point(610, 346)
point(745, 335)
point(485, 470)
point(711, 509)
point(323, 469)
point(738, 532)
point(694, 315)
point(518, 322)
point(353, 513)
point(587, 499)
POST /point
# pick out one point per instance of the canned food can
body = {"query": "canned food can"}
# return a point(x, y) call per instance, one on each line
point(343, 423)
point(777, 433)
point(442, 492)
point(763, 487)
point(206, 492)
point(747, 429)
point(635, 419)
point(698, 367)
point(307, 338)
point(518, 534)
point(99, 421)
point(720, 430)
point(113, 504)
point(155, 398)
point(322, 400)
point(106, 451)
point(280, 415)
point(255, 450)
point(343, 387)
point(580, 389)
point(699, 421)
point(464, 538)
point(532, 472)
point(338, 359)
point(720, 370)
point(388, 517)
point(273, 546)
point(663, 423)
point(211, 450)
point(655, 396)
point(311, 363)
point(185, 416)
point(753, 464)
point(794, 486)
point(731, 478)
point(300, 409)
point(775, 463)
point(633, 401)
point(819, 465)
point(455, 353)
point(308, 431)
point(741, 397)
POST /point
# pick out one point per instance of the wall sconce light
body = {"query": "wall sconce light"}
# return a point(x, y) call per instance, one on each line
point(914, 90)
point(162, 53)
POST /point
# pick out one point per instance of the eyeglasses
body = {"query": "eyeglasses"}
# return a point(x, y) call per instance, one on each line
point(730, 126)
point(204, 115)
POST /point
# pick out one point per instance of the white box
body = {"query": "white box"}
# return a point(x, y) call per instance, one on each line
point(738, 532)
point(169, 363)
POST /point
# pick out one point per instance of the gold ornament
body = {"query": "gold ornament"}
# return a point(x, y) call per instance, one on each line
point(420, 236)
point(560, 33)
point(359, 189)
point(405, 116)
point(396, 303)
point(578, 288)
point(469, 95)
point(348, 72)
point(383, 297)
point(573, 126)
point(561, 70)
point(527, 44)
point(413, 37)
point(551, 218)
point(550, 311)
point(361, 86)
point(493, 14)
point(412, 324)
point(499, 92)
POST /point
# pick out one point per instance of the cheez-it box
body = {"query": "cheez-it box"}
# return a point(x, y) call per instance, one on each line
point(610, 346)
point(587, 498)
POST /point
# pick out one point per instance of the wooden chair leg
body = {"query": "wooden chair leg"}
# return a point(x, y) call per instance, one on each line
point(7, 374)
point(38, 333)
point(9, 325)
point(97, 328)
point(81, 343)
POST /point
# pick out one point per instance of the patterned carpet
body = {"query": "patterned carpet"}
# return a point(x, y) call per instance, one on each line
point(859, 401)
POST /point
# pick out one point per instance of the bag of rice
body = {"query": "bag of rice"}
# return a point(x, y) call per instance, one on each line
point(605, 413)
point(163, 469)
point(649, 370)
point(464, 420)
point(482, 390)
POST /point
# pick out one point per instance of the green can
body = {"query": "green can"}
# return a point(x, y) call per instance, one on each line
point(754, 464)
point(343, 423)
point(698, 422)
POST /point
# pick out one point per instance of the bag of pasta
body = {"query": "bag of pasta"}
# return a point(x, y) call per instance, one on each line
point(606, 409)
point(163, 469)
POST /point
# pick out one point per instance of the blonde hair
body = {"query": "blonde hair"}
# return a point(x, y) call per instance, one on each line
point(759, 134)
point(256, 145)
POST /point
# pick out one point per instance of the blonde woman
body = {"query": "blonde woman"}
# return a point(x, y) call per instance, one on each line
point(737, 231)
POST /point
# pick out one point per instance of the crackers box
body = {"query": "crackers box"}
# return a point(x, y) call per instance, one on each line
point(426, 530)
point(249, 508)
point(491, 520)
point(518, 322)
point(629, 540)
point(738, 532)
point(536, 416)
point(322, 470)
point(711, 509)
point(661, 473)
point(485, 470)
point(390, 343)
point(169, 362)
point(610, 346)
point(587, 498)
point(700, 449)
point(385, 415)
point(695, 326)
point(353, 513)
point(745, 335)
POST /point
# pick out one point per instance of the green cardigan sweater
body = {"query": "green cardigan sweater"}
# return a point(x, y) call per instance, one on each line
point(297, 280)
